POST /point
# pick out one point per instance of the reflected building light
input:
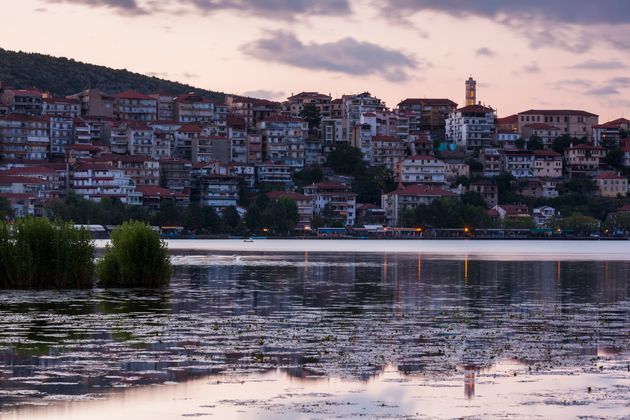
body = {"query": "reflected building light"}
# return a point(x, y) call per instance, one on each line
point(466, 269)
point(419, 275)
point(558, 272)
point(469, 382)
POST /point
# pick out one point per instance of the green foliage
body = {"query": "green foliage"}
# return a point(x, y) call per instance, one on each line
point(231, 217)
point(38, 254)
point(535, 143)
point(280, 216)
point(475, 165)
point(618, 221)
point(312, 116)
point(518, 223)
point(564, 141)
point(448, 213)
point(344, 159)
point(63, 76)
point(307, 176)
point(473, 198)
point(578, 223)
point(136, 258)
point(6, 211)
point(371, 182)
point(520, 143)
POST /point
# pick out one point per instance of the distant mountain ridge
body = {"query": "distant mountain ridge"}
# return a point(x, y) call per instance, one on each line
point(63, 76)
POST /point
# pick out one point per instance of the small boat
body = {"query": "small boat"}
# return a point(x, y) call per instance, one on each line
point(248, 240)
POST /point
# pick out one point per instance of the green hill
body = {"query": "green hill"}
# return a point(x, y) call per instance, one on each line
point(64, 76)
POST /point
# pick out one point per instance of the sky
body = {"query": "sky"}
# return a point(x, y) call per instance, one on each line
point(569, 54)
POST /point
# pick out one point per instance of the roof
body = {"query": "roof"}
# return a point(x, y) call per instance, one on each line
point(512, 119)
point(16, 179)
point(154, 190)
point(610, 175)
point(84, 147)
point(421, 157)
point(614, 124)
point(61, 100)
point(423, 190)
point(557, 112)
point(29, 170)
point(585, 146)
point(514, 209)
point(546, 153)
point(390, 139)
point(428, 101)
point(132, 94)
point(90, 166)
point(328, 185)
point(280, 118)
point(26, 92)
point(190, 128)
point(276, 195)
point(476, 108)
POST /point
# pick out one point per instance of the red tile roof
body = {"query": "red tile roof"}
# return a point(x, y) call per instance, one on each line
point(276, 195)
point(541, 126)
point(428, 101)
point(423, 190)
point(554, 112)
point(15, 179)
point(132, 94)
point(610, 175)
point(546, 153)
point(618, 123)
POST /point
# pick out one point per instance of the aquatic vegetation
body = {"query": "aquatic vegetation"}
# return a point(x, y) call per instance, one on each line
point(136, 258)
point(36, 253)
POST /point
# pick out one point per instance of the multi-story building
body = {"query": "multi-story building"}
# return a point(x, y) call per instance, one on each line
point(508, 124)
point(273, 173)
point(175, 174)
point(456, 168)
point(254, 148)
point(409, 197)
point(332, 132)
point(611, 132)
point(165, 106)
point(61, 133)
point(63, 107)
point(427, 114)
point(354, 106)
point(24, 136)
point(471, 127)
point(23, 101)
point(53, 185)
point(488, 190)
point(304, 204)
point(237, 134)
point(388, 151)
point(283, 140)
point(244, 171)
point(583, 159)
point(547, 164)
point(95, 103)
point(518, 163)
point(507, 139)
point(547, 133)
point(362, 139)
point(142, 170)
point(536, 187)
point(154, 196)
point(215, 190)
point(135, 106)
point(252, 110)
point(334, 200)
point(185, 136)
point(90, 129)
point(210, 148)
point(294, 104)
point(610, 184)
point(194, 108)
point(491, 160)
point(421, 169)
point(575, 123)
point(95, 181)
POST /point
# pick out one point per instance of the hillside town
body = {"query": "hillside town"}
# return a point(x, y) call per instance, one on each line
point(348, 162)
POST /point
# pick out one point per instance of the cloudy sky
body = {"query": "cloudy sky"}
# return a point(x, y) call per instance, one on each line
point(524, 54)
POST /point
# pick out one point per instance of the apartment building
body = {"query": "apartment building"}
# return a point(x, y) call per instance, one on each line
point(23, 101)
point(610, 184)
point(95, 181)
point(547, 164)
point(547, 133)
point(421, 169)
point(488, 190)
point(24, 136)
point(165, 106)
point(409, 197)
point(283, 140)
point(210, 148)
point(135, 106)
point(611, 132)
point(427, 114)
point(491, 160)
point(518, 163)
point(273, 173)
point(388, 151)
point(471, 127)
point(175, 174)
point(583, 159)
point(575, 123)
point(295, 104)
point(334, 200)
point(95, 103)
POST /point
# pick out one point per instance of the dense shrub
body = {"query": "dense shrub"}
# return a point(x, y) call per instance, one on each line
point(136, 258)
point(38, 254)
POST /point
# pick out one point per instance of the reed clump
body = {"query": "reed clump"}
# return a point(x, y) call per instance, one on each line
point(36, 253)
point(137, 257)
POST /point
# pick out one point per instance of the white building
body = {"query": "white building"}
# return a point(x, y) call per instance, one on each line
point(471, 127)
point(334, 197)
point(421, 169)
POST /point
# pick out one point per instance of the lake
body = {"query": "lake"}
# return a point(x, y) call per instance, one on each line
point(325, 328)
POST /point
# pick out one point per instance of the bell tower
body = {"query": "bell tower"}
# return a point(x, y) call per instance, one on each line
point(471, 92)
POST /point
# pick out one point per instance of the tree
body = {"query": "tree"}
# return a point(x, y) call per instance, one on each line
point(310, 113)
point(473, 199)
point(167, 215)
point(564, 141)
point(253, 218)
point(281, 215)
point(579, 223)
point(307, 176)
point(535, 143)
point(371, 182)
point(231, 217)
point(6, 211)
point(345, 159)
point(520, 143)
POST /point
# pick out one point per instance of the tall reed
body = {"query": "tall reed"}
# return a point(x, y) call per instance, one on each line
point(38, 254)
point(136, 258)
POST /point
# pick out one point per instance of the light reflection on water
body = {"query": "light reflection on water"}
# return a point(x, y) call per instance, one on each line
point(341, 317)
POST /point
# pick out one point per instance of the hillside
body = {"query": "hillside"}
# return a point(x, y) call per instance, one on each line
point(63, 76)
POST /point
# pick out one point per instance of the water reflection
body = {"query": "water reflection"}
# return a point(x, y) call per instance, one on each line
point(322, 314)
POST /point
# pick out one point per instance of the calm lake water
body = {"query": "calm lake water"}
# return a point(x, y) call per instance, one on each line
point(321, 329)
